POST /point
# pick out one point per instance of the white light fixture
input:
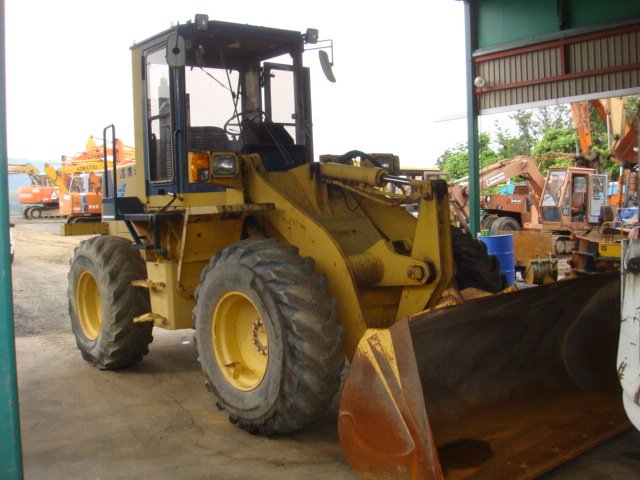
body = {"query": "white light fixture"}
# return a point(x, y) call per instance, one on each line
point(479, 81)
point(202, 22)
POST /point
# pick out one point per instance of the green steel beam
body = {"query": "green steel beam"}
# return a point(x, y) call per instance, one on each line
point(10, 447)
point(472, 121)
point(502, 22)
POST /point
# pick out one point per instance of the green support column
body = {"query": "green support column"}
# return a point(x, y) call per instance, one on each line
point(472, 121)
point(10, 448)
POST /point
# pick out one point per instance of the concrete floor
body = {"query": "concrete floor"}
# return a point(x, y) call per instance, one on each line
point(157, 421)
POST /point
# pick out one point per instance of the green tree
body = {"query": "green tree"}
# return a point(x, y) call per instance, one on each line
point(455, 161)
point(551, 147)
point(530, 125)
point(600, 143)
point(633, 107)
point(561, 140)
point(551, 118)
point(520, 144)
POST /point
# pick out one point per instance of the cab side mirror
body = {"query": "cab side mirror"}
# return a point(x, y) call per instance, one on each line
point(176, 52)
point(326, 65)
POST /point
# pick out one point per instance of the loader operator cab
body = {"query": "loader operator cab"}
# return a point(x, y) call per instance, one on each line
point(214, 90)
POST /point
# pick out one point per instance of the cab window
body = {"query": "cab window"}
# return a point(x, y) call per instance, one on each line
point(159, 118)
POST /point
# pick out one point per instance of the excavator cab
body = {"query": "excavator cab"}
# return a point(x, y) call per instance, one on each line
point(572, 197)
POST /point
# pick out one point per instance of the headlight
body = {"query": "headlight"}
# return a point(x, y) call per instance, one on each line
point(224, 165)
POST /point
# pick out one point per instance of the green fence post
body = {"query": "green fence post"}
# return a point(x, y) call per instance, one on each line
point(10, 447)
point(472, 122)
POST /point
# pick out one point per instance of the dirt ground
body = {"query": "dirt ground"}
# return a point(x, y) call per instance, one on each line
point(39, 277)
point(156, 420)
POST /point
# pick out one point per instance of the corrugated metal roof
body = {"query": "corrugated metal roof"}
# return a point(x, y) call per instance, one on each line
point(575, 67)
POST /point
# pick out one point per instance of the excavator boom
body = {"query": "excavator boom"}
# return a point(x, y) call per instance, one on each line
point(496, 174)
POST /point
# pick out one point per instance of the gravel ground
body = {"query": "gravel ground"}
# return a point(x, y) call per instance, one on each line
point(39, 277)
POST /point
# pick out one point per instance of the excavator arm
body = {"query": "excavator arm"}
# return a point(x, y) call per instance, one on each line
point(521, 166)
point(25, 168)
point(55, 178)
point(495, 174)
point(93, 152)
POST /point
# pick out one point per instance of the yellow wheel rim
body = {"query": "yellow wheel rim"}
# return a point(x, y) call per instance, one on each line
point(88, 305)
point(239, 341)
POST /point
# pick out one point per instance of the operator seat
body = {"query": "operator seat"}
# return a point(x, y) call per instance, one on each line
point(578, 203)
point(209, 139)
point(265, 133)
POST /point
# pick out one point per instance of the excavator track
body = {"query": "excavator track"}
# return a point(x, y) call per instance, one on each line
point(42, 212)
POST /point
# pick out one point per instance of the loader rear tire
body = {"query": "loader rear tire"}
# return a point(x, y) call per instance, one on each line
point(474, 266)
point(103, 303)
point(267, 334)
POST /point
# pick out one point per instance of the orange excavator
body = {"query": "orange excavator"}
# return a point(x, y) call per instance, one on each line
point(94, 152)
point(622, 141)
point(566, 200)
point(82, 200)
point(512, 210)
point(38, 197)
point(600, 248)
point(76, 185)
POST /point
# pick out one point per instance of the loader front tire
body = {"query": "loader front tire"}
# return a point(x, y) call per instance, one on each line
point(103, 303)
point(474, 266)
point(267, 334)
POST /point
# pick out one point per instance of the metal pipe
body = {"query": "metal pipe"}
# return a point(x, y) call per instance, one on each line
point(472, 121)
point(397, 180)
point(368, 175)
point(10, 448)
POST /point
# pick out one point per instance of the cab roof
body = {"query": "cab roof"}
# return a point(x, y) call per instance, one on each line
point(237, 42)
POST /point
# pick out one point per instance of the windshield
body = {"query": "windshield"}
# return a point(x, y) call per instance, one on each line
point(210, 95)
point(551, 196)
point(228, 97)
point(227, 108)
point(211, 109)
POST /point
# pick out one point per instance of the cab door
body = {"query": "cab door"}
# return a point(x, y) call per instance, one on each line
point(597, 195)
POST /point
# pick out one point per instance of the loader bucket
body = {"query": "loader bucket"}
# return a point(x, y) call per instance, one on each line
point(502, 387)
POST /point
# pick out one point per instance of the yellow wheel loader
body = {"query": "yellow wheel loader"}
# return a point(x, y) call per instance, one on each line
point(285, 267)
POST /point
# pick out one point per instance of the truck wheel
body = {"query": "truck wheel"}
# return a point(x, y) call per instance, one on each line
point(268, 340)
point(103, 304)
point(505, 223)
point(474, 266)
point(487, 221)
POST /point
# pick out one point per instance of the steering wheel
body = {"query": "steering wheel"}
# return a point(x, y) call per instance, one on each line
point(233, 125)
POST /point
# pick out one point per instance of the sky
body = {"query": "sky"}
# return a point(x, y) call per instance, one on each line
point(400, 69)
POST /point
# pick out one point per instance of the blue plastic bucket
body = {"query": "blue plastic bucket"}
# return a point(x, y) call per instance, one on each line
point(502, 247)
